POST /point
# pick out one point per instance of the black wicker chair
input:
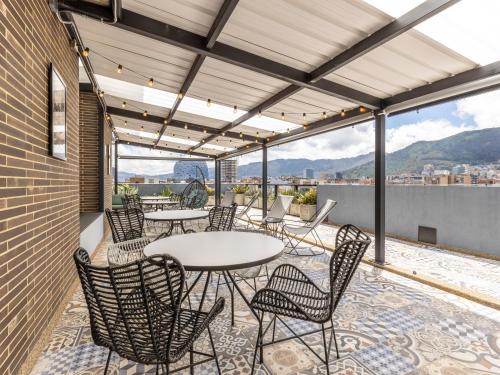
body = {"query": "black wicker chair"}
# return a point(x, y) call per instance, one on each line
point(126, 224)
point(291, 293)
point(132, 201)
point(221, 218)
point(349, 232)
point(135, 311)
point(195, 195)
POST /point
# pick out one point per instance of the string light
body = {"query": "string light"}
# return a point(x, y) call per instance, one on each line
point(235, 109)
point(304, 118)
point(209, 102)
point(151, 82)
point(241, 135)
point(204, 131)
point(223, 134)
point(101, 93)
point(119, 69)
point(342, 113)
point(165, 121)
point(125, 123)
point(283, 116)
point(362, 109)
point(185, 126)
point(324, 115)
point(179, 95)
point(145, 113)
point(124, 104)
point(274, 133)
point(260, 113)
point(86, 52)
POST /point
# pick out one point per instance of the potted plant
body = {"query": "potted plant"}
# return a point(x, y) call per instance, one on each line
point(307, 203)
point(211, 196)
point(166, 192)
point(294, 209)
point(240, 191)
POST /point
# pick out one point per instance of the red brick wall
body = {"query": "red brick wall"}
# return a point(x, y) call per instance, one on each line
point(89, 152)
point(39, 195)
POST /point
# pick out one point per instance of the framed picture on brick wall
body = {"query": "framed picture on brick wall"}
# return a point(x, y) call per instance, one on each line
point(57, 115)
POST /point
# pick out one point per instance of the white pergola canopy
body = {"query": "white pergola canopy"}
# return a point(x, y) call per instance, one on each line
point(263, 64)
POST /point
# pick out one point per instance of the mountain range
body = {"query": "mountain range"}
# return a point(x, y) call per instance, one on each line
point(470, 147)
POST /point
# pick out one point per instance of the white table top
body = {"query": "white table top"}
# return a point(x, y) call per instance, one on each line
point(154, 197)
point(159, 201)
point(218, 251)
point(171, 215)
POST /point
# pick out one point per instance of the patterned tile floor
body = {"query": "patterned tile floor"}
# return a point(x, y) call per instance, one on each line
point(467, 272)
point(386, 325)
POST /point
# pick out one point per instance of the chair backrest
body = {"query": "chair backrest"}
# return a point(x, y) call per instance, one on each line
point(349, 232)
point(322, 213)
point(125, 223)
point(247, 208)
point(133, 308)
point(343, 264)
point(221, 217)
point(280, 206)
point(195, 195)
point(228, 198)
point(132, 201)
point(127, 251)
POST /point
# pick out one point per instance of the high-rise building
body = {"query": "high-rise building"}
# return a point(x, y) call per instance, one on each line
point(229, 170)
point(308, 173)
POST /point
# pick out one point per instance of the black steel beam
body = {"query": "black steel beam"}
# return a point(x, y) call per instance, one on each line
point(220, 21)
point(138, 144)
point(380, 188)
point(116, 167)
point(217, 182)
point(264, 181)
point(166, 158)
point(151, 28)
point(402, 24)
point(178, 124)
point(469, 76)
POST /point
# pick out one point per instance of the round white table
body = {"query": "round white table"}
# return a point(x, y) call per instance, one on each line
point(176, 218)
point(219, 251)
point(155, 198)
point(158, 203)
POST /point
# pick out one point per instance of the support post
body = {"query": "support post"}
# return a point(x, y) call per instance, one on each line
point(217, 182)
point(264, 181)
point(380, 187)
point(116, 167)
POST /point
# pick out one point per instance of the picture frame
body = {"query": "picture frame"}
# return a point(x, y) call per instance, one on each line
point(57, 115)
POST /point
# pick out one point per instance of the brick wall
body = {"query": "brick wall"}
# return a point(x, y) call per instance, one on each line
point(39, 195)
point(89, 152)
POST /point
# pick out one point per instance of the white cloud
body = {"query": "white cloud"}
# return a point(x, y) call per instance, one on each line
point(484, 109)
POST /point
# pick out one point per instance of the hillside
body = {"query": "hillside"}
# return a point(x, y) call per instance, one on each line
point(470, 147)
point(295, 167)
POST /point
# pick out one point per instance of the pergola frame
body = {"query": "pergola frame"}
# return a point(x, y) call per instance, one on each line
point(470, 82)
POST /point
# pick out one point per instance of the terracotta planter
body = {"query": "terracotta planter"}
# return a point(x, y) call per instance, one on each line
point(211, 200)
point(239, 199)
point(295, 209)
point(307, 211)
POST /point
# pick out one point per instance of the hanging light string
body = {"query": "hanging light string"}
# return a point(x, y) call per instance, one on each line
point(151, 82)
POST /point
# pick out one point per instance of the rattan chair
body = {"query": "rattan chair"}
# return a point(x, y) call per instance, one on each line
point(135, 311)
point(195, 195)
point(221, 218)
point(291, 293)
point(127, 251)
point(125, 223)
point(295, 234)
point(132, 201)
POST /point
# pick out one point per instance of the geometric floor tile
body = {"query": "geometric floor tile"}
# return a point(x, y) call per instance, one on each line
point(382, 360)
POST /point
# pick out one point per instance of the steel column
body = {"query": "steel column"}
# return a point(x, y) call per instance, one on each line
point(217, 182)
point(264, 181)
point(380, 187)
point(116, 167)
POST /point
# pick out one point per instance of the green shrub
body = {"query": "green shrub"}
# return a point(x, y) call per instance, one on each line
point(126, 189)
point(309, 197)
point(166, 192)
point(240, 189)
point(210, 191)
point(296, 195)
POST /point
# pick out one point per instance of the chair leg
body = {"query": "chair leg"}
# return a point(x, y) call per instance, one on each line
point(213, 349)
point(157, 369)
point(327, 351)
point(107, 362)
point(258, 343)
point(335, 340)
point(191, 361)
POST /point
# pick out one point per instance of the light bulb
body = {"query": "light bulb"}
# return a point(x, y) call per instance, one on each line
point(209, 102)
point(260, 113)
point(342, 113)
point(223, 134)
point(119, 69)
point(324, 115)
point(235, 109)
point(241, 135)
point(362, 109)
point(124, 104)
point(145, 113)
point(179, 95)
point(86, 52)
point(151, 82)
point(185, 126)
point(283, 116)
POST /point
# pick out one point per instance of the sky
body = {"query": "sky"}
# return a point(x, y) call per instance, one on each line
point(427, 124)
